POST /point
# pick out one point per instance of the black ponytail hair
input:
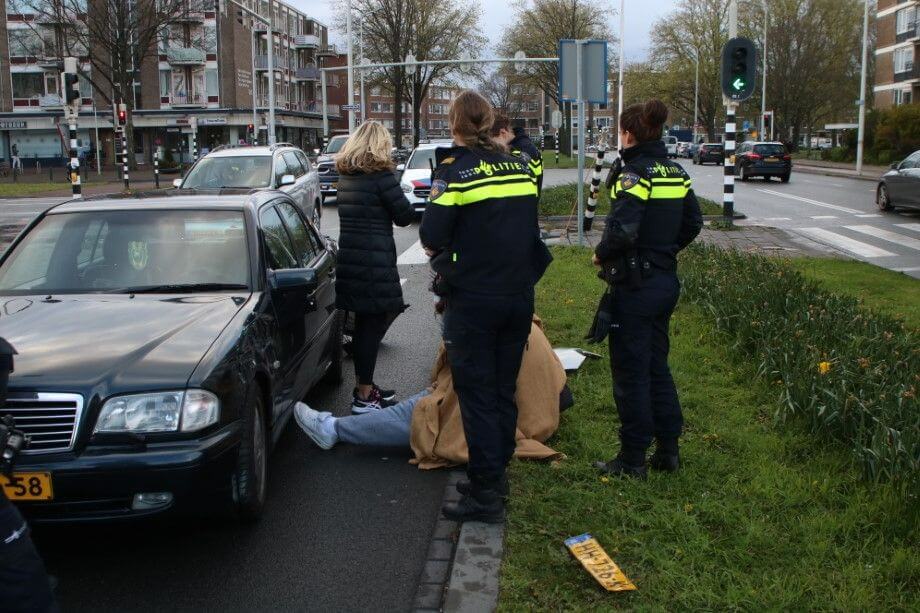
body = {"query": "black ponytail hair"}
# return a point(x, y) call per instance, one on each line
point(645, 120)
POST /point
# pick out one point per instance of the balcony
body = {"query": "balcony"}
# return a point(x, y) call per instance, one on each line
point(191, 100)
point(328, 50)
point(307, 73)
point(911, 33)
point(280, 62)
point(51, 63)
point(185, 56)
point(306, 41)
point(911, 73)
point(50, 101)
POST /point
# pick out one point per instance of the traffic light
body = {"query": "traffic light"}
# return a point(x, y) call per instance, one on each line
point(739, 69)
point(767, 120)
point(122, 114)
point(71, 88)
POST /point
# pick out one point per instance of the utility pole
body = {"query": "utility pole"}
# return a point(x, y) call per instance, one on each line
point(351, 67)
point(622, 64)
point(763, 95)
point(696, 96)
point(361, 53)
point(861, 137)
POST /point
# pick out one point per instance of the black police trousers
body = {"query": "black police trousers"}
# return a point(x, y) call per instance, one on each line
point(24, 583)
point(485, 336)
point(644, 391)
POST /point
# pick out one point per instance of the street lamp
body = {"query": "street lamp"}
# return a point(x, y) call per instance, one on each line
point(860, 139)
point(763, 95)
point(696, 95)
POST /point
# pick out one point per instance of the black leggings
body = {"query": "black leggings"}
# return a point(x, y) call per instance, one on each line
point(369, 331)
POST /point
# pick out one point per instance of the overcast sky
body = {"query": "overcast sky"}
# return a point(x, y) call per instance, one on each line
point(496, 16)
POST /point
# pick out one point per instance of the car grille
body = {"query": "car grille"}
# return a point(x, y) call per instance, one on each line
point(325, 169)
point(422, 192)
point(50, 420)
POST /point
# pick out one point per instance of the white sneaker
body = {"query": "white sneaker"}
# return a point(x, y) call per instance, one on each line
point(319, 426)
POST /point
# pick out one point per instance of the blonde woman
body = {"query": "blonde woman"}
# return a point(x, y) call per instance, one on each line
point(369, 201)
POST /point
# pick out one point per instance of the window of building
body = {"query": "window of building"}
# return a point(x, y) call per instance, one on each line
point(437, 109)
point(901, 96)
point(437, 124)
point(375, 91)
point(211, 83)
point(906, 20)
point(164, 83)
point(903, 59)
point(28, 84)
point(25, 43)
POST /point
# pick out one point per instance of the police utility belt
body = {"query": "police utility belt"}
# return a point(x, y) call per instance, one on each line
point(629, 270)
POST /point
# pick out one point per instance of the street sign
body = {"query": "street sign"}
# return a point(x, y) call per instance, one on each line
point(350, 107)
point(747, 125)
point(520, 66)
point(593, 71)
point(556, 120)
point(410, 60)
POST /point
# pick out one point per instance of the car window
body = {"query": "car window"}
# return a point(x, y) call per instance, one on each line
point(421, 159)
point(105, 251)
point(278, 245)
point(912, 161)
point(335, 144)
point(770, 150)
point(293, 164)
point(305, 161)
point(281, 169)
point(237, 171)
point(300, 235)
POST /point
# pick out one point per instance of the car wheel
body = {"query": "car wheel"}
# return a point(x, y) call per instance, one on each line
point(882, 199)
point(742, 174)
point(784, 178)
point(250, 480)
point(334, 373)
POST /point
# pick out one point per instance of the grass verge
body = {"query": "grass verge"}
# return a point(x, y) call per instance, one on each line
point(762, 516)
point(17, 190)
point(559, 200)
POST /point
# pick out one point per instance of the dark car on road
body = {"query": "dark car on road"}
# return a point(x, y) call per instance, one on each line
point(162, 343)
point(325, 166)
point(708, 153)
point(900, 186)
point(763, 160)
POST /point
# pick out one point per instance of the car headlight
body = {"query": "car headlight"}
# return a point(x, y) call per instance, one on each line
point(183, 411)
point(406, 188)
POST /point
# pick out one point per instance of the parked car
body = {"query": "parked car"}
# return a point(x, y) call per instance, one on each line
point(709, 153)
point(756, 159)
point(282, 166)
point(682, 149)
point(325, 165)
point(162, 343)
point(900, 186)
point(670, 142)
point(416, 173)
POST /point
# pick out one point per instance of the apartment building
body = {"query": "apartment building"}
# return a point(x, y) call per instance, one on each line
point(897, 54)
point(211, 66)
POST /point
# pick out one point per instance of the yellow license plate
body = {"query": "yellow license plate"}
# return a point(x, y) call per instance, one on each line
point(772, 159)
point(595, 560)
point(27, 486)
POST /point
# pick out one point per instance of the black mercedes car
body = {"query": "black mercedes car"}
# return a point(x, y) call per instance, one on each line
point(900, 186)
point(162, 343)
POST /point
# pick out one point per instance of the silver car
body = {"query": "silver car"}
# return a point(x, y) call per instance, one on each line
point(282, 166)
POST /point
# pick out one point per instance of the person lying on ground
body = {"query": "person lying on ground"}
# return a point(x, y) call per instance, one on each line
point(430, 422)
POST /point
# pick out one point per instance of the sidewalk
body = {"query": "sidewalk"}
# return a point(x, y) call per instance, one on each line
point(55, 182)
point(838, 169)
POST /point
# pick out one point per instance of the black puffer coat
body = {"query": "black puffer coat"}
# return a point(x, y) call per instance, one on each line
point(367, 280)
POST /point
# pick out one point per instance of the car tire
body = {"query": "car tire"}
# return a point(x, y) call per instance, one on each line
point(334, 372)
point(784, 178)
point(742, 174)
point(250, 479)
point(883, 199)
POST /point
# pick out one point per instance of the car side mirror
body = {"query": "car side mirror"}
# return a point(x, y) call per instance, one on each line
point(294, 278)
point(177, 183)
point(400, 167)
point(287, 180)
point(895, 165)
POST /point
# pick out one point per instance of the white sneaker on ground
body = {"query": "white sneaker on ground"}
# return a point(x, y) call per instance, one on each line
point(319, 426)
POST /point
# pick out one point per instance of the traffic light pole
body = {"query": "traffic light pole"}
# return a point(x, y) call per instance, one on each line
point(156, 168)
point(124, 157)
point(74, 157)
point(70, 96)
point(728, 187)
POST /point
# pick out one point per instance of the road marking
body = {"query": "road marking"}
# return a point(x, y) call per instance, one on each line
point(402, 282)
point(887, 235)
point(824, 217)
point(778, 219)
point(869, 215)
point(835, 207)
point(413, 255)
point(844, 242)
point(911, 269)
point(909, 226)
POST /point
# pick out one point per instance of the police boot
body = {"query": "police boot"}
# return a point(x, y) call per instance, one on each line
point(619, 467)
point(465, 487)
point(484, 503)
point(666, 457)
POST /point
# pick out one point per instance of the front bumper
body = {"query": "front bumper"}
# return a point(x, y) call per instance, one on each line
point(99, 483)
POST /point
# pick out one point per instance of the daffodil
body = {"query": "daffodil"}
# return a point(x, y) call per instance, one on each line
point(824, 367)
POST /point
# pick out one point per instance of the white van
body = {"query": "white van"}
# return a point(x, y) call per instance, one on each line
point(671, 143)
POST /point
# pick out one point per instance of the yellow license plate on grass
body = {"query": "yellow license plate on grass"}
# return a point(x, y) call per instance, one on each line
point(27, 486)
point(595, 560)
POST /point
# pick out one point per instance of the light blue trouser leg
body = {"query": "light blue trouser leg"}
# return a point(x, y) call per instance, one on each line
point(384, 428)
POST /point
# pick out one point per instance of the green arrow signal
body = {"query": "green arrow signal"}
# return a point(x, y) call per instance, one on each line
point(738, 84)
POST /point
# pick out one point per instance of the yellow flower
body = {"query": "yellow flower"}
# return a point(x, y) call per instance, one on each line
point(824, 367)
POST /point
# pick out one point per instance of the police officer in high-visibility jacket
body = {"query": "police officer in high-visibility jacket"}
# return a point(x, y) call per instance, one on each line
point(520, 145)
point(480, 227)
point(654, 215)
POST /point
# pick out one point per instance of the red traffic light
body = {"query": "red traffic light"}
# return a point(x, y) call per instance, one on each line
point(122, 117)
point(251, 128)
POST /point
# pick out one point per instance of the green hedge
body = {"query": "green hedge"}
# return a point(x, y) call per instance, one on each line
point(852, 374)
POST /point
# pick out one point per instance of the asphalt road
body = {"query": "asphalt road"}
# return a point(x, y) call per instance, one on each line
point(343, 530)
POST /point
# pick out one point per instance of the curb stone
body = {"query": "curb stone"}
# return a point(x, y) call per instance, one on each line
point(832, 172)
point(430, 593)
point(474, 577)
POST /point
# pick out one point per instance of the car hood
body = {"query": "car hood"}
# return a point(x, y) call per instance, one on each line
point(107, 344)
point(325, 158)
point(417, 177)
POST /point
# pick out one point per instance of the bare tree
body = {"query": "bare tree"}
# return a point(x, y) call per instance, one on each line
point(114, 36)
point(505, 90)
point(537, 28)
point(431, 31)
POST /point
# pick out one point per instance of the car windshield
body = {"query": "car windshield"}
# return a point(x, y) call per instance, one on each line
point(421, 159)
point(335, 145)
point(238, 171)
point(119, 251)
point(770, 150)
